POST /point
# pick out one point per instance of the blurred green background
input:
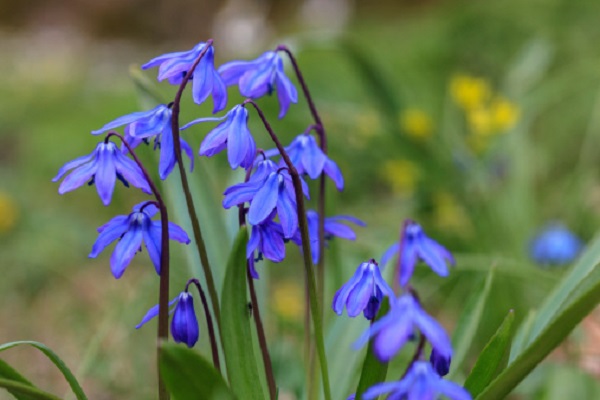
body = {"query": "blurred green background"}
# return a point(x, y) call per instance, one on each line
point(478, 119)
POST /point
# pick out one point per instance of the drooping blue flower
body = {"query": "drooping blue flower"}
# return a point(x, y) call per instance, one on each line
point(420, 383)
point(267, 190)
point(131, 230)
point(205, 79)
point(333, 228)
point(555, 245)
point(232, 133)
point(266, 240)
point(184, 323)
point(308, 158)
point(404, 319)
point(440, 364)
point(259, 77)
point(153, 123)
point(416, 245)
point(103, 167)
point(363, 292)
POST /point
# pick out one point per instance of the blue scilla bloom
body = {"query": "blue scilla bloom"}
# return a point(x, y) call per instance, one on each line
point(233, 134)
point(405, 318)
point(334, 227)
point(555, 245)
point(205, 79)
point(422, 383)
point(131, 230)
point(268, 191)
point(103, 167)
point(363, 292)
point(308, 158)
point(259, 77)
point(266, 240)
point(184, 323)
point(440, 363)
point(416, 245)
point(153, 123)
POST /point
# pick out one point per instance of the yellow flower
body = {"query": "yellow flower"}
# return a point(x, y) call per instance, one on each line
point(469, 92)
point(480, 121)
point(416, 123)
point(288, 300)
point(504, 114)
point(401, 175)
point(9, 213)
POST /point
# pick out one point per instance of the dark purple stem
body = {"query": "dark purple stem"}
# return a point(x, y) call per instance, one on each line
point(209, 323)
point(163, 297)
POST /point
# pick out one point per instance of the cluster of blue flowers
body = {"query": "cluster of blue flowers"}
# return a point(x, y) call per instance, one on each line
point(405, 320)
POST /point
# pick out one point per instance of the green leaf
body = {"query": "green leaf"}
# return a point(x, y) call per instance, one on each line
point(373, 371)
point(9, 373)
point(469, 321)
point(25, 391)
point(492, 359)
point(235, 323)
point(188, 375)
point(56, 360)
point(554, 333)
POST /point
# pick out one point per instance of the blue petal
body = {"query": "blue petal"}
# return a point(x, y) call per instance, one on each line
point(165, 57)
point(434, 332)
point(407, 263)
point(131, 172)
point(264, 200)
point(286, 93)
point(216, 140)
point(273, 246)
point(287, 212)
point(200, 120)
point(78, 177)
point(430, 252)
point(340, 297)
point(232, 71)
point(240, 193)
point(359, 296)
point(150, 210)
point(153, 312)
point(391, 339)
point(188, 151)
point(339, 230)
point(177, 233)
point(72, 164)
point(110, 232)
point(153, 241)
point(219, 93)
point(333, 171)
point(313, 158)
point(256, 83)
point(106, 173)
point(202, 83)
point(452, 390)
point(349, 218)
point(381, 388)
point(126, 119)
point(237, 138)
point(125, 251)
point(184, 325)
point(167, 154)
point(253, 242)
point(391, 252)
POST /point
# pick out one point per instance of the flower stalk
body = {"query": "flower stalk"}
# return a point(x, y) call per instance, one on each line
point(209, 323)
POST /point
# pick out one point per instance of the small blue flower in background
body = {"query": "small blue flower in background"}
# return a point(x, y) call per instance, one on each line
point(153, 123)
point(555, 245)
point(232, 133)
point(268, 191)
point(266, 238)
point(416, 245)
point(259, 77)
point(131, 230)
point(440, 364)
point(205, 80)
point(362, 293)
point(103, 167)
point(422, 383)
point(184, 323)
point(308, 158)
point(399, 325)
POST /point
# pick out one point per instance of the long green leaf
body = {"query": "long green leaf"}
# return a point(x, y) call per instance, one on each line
point(492, 357)
point(235, 322)
point(547, 340)
point(77, 390)
point(373, 371)
point(24, 391)
point(469, 321)
point(188, 375)
point(9, 373)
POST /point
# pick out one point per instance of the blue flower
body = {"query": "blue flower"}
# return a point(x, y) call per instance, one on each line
point(400, 325)
point(232, 133)
point(363, 292)
point(184, 324)
point(131, 230)
point(103, 167)
point(259, 77)
point(266, 239)
point(268, 190)
point(415, 244)
point(308, 158)
point(153, 123)
point(422, 383)
point(205, 79)
point(555, 245)
point(333, 227)
point(440, 363)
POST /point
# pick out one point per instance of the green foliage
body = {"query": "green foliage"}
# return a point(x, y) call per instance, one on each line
point(23, 391)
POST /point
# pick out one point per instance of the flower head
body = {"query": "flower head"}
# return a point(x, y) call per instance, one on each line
point(205, 79)
point(414, 245)
point(103, 167)
point(184, 324)
point(267, 240)
point(555, 245)
point(259, 77)
point(398, 326)
point(131, 230)
point(440, 363)
point(233, 134)
point(308, 158)
point(362, 293)
point(421, 382)
point(153, 123)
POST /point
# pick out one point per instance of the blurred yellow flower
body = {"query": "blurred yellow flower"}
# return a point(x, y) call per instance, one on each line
point(469, 92)
point(450, 215)
point(416, 123)
point(401, 175)
point(480, 121)
point(9, 213)
point(504, 113)
point(288, 300)
point(367, 124)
